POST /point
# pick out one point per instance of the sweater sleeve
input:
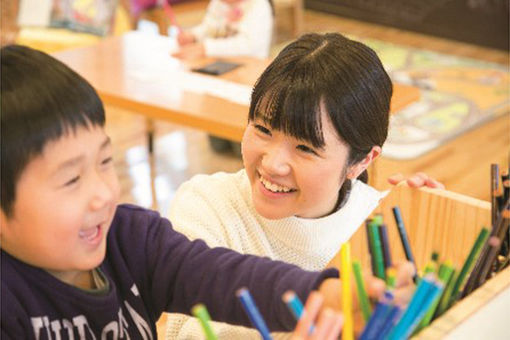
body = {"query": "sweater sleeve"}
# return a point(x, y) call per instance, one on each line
point(200, 31)
point(183, 273)
point(253, 37)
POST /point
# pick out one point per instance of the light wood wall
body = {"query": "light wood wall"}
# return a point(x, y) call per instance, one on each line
point(435, 220)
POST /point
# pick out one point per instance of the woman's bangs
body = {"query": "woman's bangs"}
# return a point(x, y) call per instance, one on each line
point(293, 110)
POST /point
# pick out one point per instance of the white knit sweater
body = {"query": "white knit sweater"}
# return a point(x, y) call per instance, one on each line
point(218, 209)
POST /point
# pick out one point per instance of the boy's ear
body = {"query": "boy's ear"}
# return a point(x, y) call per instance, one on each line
point(357, 169)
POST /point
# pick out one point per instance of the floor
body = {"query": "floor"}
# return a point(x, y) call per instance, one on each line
point(181, 153)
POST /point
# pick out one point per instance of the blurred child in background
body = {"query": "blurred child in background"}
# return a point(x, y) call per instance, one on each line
point(230, 28)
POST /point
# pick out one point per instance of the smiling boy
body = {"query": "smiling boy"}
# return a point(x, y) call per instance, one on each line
point(76, 265)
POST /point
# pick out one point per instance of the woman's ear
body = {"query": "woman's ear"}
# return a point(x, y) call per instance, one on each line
point(358, 168)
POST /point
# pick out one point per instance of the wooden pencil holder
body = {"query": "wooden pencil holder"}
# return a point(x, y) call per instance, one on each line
point(436, 221)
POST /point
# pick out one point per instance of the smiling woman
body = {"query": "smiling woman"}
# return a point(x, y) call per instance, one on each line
point(284, 171)
point(318, 118)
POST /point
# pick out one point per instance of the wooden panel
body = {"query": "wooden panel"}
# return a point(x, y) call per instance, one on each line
point(436, 220)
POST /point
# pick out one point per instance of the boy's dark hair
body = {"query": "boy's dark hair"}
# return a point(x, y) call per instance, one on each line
point(346, 75)
point(41, 100)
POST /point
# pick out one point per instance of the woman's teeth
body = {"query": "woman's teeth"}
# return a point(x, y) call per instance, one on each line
point(273, 187)
point(90, 233)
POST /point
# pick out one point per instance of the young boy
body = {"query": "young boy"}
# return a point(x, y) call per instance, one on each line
point(74, 264)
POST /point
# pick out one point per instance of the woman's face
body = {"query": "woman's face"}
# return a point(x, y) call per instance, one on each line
point(289, 177)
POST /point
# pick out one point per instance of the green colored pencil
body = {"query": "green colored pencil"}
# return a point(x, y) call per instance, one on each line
point(429, 268)
point(377, 251)
point(446, 269)
point(366, 310)
point(468, 265)
point(201, 313)
point(447, 293)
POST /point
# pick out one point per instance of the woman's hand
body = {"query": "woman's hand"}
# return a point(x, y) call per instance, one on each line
point(417, 180)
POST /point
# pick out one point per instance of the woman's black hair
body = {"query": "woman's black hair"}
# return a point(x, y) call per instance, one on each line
point(41, 100)
point(343, 74)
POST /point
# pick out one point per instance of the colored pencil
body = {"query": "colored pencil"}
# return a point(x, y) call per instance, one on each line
point(293, 303)
point(295, 306)
point(383, 234)
point(468, 264)
point(403, 237)
point(393, 316)
point(200, 312)
point(445, 273)
point(370, 245)
point(494, 187)
point(426, 293)
point(377, 251)
point(498, 230)
point(380, 314)
point(495, 243)
point(447, 293)
point(253, 313)
point(391, 277)
point(346, 269)
point(366, 310)
point(430, 268)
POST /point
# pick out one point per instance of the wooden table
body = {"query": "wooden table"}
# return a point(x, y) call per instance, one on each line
point(134, 72)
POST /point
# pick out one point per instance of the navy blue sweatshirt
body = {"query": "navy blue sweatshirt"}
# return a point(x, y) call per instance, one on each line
point(149, 268)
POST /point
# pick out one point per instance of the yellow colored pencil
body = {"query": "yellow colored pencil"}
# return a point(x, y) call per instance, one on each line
point(346, 274)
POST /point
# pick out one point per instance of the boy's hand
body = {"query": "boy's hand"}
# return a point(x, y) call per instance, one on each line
point(190, 52)
point(403, 291)
point(416, 180)
point(185, 38)
point(328, 324)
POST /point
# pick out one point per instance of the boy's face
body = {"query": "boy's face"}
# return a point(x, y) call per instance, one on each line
point(65, 201)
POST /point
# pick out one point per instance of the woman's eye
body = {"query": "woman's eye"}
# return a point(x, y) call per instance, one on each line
point(107, 161)
point(263, 129)
point(306, 149)
point(72, 181)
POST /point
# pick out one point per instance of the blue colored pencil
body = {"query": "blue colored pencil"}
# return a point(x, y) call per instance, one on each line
point(380, 314)
point(403, 237)
point(393, 316)
point(431, 298)
point(294, 304)
point(253, 313)
point(426, 292)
